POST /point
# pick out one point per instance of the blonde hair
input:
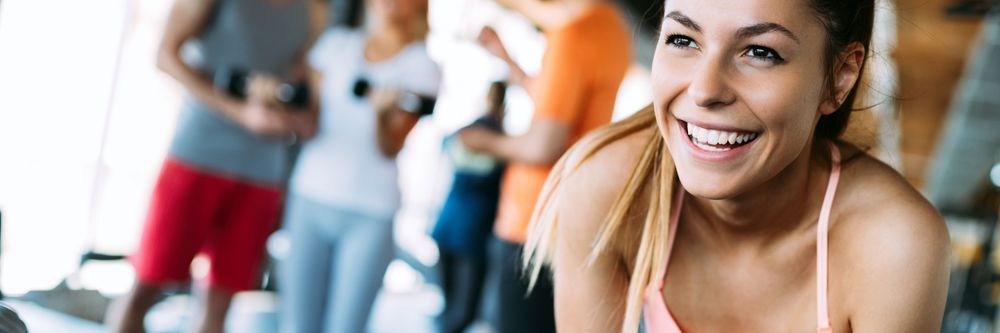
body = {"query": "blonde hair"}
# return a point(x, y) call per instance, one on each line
point(654, 171)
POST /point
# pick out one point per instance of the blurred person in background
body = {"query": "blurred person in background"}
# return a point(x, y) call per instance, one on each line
point(219, 190)
point(373, 86)
point(589, 50)
point(466, 220)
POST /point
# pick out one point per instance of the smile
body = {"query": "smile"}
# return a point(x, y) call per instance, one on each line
point(714, 140)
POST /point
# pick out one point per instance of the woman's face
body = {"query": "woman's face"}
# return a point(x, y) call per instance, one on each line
point(737, 88)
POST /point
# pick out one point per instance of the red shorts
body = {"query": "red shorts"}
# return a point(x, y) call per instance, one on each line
point(195, 212)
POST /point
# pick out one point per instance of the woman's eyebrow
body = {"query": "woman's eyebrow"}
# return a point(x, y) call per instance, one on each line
point(763, 28)
point(683, 20)
point(742, 33)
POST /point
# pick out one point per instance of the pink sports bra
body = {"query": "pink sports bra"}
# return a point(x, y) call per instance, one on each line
point(657, 317)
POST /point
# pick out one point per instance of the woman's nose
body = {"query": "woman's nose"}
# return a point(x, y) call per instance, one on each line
point(709, 87)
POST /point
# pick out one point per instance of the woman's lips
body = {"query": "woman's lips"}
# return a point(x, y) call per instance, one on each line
point(714, 144)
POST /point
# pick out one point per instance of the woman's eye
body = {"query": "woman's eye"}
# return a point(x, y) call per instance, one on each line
point(763, 53)
point(681, 41)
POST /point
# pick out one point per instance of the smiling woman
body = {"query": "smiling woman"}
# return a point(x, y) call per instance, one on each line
point(736, 177)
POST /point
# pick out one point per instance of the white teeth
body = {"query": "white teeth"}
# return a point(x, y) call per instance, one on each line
point(703, 138)
point(710, 148)
point(713, 137)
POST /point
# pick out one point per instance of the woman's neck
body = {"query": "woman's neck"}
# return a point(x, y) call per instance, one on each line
point(385, 40)
point(784, 205)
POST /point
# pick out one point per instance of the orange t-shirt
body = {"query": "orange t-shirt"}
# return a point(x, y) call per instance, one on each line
point(584, 65)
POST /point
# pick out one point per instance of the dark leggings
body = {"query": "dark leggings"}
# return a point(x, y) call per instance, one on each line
point(516, 310)
point(462, 283)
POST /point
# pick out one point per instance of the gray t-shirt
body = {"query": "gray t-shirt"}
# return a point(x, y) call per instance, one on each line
point(250, 35)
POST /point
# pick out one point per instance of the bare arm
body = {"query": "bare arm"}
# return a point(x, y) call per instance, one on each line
point(559, 93)
point(392, 124)
point(319, 16)
point(393, 127)
point(588, 298)
point(592, 298)
point(187, 18)
point(543, 144)
point(489, 39)
point(305, 122)
point(900, 285)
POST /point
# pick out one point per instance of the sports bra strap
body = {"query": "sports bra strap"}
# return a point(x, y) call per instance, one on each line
point(822, 244)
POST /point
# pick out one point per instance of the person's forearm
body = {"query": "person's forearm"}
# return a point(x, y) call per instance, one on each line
point(319, 17)
point(524, 149)
point(308, 126)
point(198, 85)
point(517, 75)
point(391, 129)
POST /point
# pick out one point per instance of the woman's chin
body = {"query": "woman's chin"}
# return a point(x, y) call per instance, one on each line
point(710, 187)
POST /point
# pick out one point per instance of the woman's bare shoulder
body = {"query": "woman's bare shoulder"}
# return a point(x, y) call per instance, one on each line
point(592, 184)
point(602, 175)
point(892, 246)
point(594, 266)
point(872, 194)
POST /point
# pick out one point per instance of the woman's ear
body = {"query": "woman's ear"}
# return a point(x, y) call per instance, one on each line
point(847, 72)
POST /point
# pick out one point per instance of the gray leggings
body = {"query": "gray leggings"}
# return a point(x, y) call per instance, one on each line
point(338, 257)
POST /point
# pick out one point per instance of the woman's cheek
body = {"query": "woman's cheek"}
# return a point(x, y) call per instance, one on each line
point(669, 81)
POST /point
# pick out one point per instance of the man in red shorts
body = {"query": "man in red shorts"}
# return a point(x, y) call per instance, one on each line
point(219, 191)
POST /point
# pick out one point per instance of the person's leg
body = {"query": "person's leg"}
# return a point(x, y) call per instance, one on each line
point(489, 302)
point(235, 248)
point(215, 301)
point(139, 300)
point(517, 310)
point(475, 277)
point(177, 223)
point(361, 256)
point(304, 277)
point(465, 280)
point(509, 293)
point(446, 320)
